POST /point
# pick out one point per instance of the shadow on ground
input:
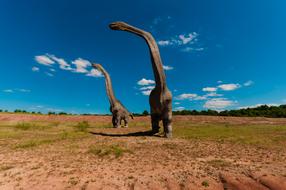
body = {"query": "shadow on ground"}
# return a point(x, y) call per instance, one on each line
point(134, 134)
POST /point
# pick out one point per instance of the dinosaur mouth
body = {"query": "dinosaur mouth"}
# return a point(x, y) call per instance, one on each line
point(117, 25)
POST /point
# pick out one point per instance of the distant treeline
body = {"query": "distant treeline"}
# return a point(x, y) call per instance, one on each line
point(261, 111)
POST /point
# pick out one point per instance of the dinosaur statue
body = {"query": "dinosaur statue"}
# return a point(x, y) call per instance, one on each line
point(160, 99)
point(119, 112)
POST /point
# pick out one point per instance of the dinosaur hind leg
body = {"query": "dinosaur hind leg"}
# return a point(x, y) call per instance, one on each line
point(155, 118)
point(126, 120)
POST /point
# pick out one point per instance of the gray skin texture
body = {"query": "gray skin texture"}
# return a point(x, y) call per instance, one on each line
point(119, 112)
point(160, 99)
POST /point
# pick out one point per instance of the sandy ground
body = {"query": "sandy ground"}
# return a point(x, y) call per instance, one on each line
point(147, 162)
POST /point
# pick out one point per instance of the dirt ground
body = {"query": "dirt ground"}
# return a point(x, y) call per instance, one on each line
point(54, 156)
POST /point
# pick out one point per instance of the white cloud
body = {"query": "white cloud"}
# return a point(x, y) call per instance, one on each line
point(186, 96)
point(188, 38)
point(44, 60)
point(145, 82)
point(81, 65)
point(248, 83)
point(35, 69)
point(146, 92)
point(219, 81)
point(200, 98)
point(94, 73)
point(218, 103)
point(167, 68)
point(53, 70)
point(229, 87)
point(63, 64)
point(181, 40)
point(164, 42)
point(177, 103)
point(209, 89)
point(179, 108)
point(147, 88)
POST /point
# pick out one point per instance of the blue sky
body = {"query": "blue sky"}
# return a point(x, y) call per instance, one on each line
point(217, 54)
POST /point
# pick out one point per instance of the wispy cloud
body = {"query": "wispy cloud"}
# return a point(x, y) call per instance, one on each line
point(8, 91)
point(147, 88)
point(186, 42)
point(167, 68)
point(49, 74)
point(209, 89)
point(180, 108)
point(62, 63)
point(186, 96)
point(81, 65)
point(248, 83)
point(182, 39)
point(94, 73)
point(146, 92)
point(17, 90)
point(218, 103)
point(44, 60)
point(229, 87)
point(144, 81)
point(191, 49)
point(35, 69)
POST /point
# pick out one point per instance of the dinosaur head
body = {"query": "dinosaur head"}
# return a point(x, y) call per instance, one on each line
point(118, 25)
point(95, 65)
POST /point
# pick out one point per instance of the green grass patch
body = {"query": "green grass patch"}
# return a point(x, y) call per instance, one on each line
point(32, 126)
point(82, 126)
point(105, 150)
point(260, 135)
point(33, 143)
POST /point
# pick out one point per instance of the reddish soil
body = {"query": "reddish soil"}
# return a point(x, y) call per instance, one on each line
point(152, 163)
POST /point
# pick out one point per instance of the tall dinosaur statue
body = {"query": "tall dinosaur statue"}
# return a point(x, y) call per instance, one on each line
point(119, 112)
point(160, 99)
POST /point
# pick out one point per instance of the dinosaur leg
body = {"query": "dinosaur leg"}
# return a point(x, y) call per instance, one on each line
point(113, 121)
point(116, 121)
point(167, 123)
point(126, 120)
point(155, 123)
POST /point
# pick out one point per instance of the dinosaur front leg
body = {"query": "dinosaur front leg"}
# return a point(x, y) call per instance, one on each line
point(115, 121)
point(155, 119)
point(167, 123)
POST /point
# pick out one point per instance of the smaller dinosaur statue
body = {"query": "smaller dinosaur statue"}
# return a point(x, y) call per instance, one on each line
point(119, 112)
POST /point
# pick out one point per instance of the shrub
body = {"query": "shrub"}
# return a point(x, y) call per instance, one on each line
point(82, 126)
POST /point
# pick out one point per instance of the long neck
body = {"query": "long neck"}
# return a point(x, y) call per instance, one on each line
point(108, 84)
point(157, 66)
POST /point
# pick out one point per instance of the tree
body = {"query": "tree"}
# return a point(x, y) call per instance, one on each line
point(145, 113)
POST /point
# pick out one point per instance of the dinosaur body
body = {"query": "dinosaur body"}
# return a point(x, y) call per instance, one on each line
point(160, 99)
point(119, 112)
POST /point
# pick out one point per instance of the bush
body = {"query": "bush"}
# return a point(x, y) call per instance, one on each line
point(24, 126)
point(82, 126)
